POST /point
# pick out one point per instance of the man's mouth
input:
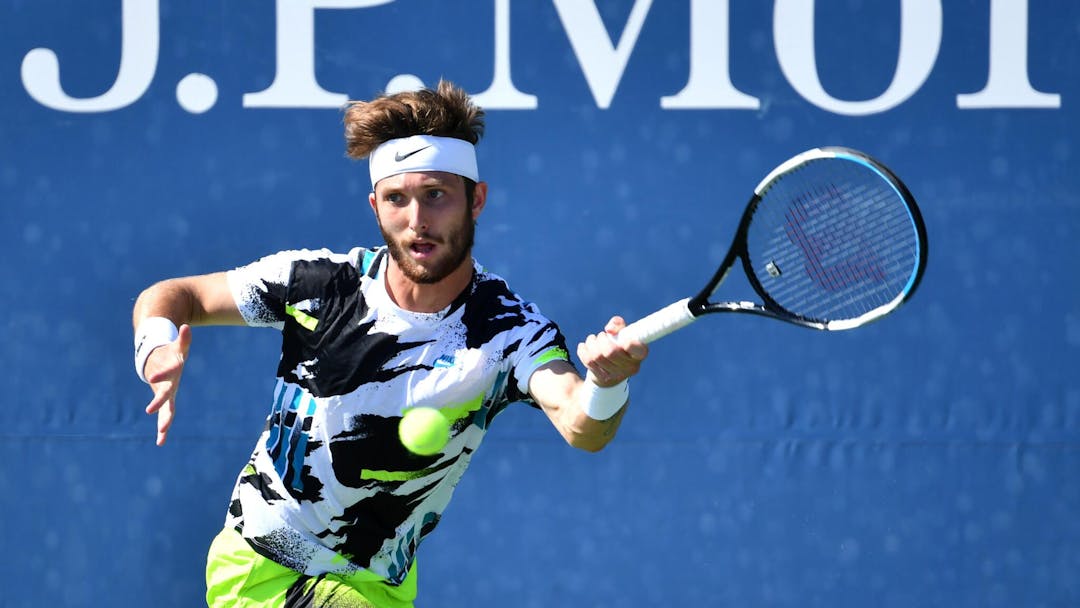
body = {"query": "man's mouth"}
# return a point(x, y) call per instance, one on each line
point(422, 249)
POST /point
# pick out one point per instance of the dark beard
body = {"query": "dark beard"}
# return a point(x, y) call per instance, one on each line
point(459, 243)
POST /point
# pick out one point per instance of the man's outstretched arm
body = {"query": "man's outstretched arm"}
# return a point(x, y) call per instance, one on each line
point(587, 412)
point(162, 319)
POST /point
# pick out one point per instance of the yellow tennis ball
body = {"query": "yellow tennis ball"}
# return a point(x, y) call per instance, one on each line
point(424, 430)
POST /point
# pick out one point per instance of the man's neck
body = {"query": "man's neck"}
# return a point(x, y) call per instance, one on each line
point(426, 297)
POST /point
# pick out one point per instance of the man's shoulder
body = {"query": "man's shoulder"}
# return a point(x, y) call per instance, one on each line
point(354, 256)
point(311, 258)
point(292, 266)
point(489, 284)
point(327, 268)
point(495, 293)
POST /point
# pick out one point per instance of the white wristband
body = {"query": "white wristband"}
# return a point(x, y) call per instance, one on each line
point(603, 403)
point(152, 333)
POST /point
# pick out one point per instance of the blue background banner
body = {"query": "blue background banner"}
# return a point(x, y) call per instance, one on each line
point(930, 459)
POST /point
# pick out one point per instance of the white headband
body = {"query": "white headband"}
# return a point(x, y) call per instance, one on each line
point(423, 153)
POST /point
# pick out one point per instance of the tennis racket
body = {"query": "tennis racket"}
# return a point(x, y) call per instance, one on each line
point(831, 240)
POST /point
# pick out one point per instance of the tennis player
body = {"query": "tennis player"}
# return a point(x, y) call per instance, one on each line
point(331, 508)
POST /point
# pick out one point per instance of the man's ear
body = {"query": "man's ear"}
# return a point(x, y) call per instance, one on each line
point(479, 199)
point(371, 201)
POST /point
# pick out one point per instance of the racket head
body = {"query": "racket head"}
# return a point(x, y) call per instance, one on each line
point(831, 240)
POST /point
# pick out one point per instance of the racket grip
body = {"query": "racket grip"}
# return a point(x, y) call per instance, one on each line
point(660, 323)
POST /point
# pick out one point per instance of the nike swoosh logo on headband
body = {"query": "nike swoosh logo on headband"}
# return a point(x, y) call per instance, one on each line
point(400, 157)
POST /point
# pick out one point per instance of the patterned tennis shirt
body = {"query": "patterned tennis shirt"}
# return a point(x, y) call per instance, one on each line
point(329, 487)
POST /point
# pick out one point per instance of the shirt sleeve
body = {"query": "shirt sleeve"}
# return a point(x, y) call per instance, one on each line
point(261, 288)
point(542, 343)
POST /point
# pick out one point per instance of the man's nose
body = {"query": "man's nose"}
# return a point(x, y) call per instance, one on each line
point(417, 217)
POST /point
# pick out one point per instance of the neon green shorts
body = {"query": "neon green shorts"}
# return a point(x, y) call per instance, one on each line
point(237, 576)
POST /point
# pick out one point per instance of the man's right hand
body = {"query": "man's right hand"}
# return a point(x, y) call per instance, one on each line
point(163, 369)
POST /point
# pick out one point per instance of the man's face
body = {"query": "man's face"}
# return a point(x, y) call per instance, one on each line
point(427, 222)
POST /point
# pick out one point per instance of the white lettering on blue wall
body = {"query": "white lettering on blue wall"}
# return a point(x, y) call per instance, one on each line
point(601, 57)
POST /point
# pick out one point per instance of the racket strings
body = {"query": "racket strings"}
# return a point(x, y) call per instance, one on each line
point(848, 274)
point(832, 241)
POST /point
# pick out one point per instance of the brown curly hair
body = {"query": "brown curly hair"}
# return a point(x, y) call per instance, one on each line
point(445, 111)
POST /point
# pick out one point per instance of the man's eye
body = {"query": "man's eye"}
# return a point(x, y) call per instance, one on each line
point(394, 197)
point(435, 194)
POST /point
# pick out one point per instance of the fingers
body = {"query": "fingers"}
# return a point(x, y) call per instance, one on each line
point(164, 404)
point(164, 367)
point(162, 395)
point(608, 359)
point(184, 340)
point(636, 349)
point(164, 421)
point(601, 372)
point(615, 325)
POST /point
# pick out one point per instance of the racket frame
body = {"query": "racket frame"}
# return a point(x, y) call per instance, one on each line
point(682, 313)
